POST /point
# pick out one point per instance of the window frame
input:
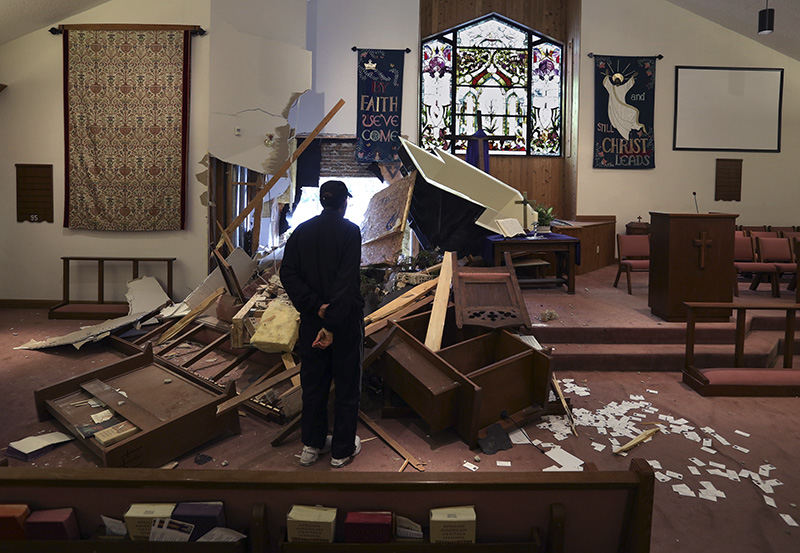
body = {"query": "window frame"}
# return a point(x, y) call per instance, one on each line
point(534, 38)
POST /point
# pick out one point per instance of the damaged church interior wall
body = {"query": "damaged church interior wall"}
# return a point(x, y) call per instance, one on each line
point(770, 194)
point(334, 27)
point(31, 110)
point(260, 67)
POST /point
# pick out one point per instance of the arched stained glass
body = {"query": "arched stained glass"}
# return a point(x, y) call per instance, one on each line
point(505, 71)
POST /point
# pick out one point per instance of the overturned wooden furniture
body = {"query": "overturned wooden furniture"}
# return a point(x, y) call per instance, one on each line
point(489, 296)
point(472, 382)
point(739, 380)
point(173, 414)
point(101, 309)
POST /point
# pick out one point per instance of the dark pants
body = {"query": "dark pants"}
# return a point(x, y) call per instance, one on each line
point(341, 363)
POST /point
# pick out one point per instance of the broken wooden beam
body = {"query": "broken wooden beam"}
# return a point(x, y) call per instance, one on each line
point(401, 301)
point(190, 316)
point(433, 337)
point(391, 442)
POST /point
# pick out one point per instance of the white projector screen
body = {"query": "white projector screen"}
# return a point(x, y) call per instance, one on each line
point(728, 109)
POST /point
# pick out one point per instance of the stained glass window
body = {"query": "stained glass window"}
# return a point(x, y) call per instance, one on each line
point(505, 71)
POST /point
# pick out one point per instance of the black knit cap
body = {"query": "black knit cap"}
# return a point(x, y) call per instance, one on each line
point(332, 193)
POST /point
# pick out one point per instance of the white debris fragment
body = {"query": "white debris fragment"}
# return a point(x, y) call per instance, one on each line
point(470, 466)
point(655, 464)
point(769, 501)
point(788, 519)
point(745, 434)
point(683, 489)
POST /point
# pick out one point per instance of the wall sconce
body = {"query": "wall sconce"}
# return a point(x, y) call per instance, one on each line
point(766, 20)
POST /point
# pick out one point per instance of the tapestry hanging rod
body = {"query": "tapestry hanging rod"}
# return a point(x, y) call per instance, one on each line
point(355, 49)
point(657, 56)
point(194, 30)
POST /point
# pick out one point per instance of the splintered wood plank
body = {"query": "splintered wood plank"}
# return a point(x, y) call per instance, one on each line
point(225, 238)
point(433, 338)
point(401, 301)
point(288, 362)
point(190, 316)
point(118, 403)
point(256, 389)
point(391, 442)
point(206, 350)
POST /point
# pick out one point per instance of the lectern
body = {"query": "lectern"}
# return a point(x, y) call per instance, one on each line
point(691, 259)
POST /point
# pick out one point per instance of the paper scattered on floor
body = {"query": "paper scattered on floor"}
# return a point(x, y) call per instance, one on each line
point(519, 436)
point(683, 489)
point(565, 459)
point(598, 447)
point(470, 466)
point(503, 463)
point(788, 519)
point(769, 501)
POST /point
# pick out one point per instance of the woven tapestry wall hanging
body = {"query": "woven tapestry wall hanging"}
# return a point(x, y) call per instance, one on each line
point(624, 100)
point(126, 115)
point(380, 93)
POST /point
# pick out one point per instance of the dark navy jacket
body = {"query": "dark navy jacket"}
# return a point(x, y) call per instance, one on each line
point(321, 264)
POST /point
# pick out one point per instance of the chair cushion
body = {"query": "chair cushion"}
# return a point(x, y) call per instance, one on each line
point(637, 264)
point(754, 267)
point(755, 377)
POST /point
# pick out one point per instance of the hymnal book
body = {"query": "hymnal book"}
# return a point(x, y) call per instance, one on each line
point(510, 227)
point(113, 434)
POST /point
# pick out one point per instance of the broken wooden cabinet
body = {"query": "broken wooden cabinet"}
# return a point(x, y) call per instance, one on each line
point(173, 414)
point(470, 382)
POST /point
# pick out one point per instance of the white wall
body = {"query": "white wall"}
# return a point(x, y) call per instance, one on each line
point(334, 27)
point(770, 191)
point(31, 111)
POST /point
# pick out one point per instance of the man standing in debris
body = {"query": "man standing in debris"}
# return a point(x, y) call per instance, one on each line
point(321, 274)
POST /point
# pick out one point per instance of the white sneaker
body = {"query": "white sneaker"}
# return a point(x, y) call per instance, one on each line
point(309, 455)
point(339, 463)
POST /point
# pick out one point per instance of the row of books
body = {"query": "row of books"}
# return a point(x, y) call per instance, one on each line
point(306, 523)
point(178, 522)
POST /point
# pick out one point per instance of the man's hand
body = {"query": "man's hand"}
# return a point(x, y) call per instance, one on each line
point(322, 309)
point(323, 340)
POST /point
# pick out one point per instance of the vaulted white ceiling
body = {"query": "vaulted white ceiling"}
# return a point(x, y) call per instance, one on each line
point(742, 16)
point(19, 17)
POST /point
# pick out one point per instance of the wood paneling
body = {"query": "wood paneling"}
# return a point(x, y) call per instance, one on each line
point(542, 178)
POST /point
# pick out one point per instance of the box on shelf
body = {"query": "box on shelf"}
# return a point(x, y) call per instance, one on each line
point(311, 523)
point(368, 527)
point(205, 515)
point(139, 518)
point(453, 524)
point(52, 524)
point(12, 521)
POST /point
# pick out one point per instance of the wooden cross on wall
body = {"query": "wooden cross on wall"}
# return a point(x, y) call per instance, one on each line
point(703, 242)
point(481, 140)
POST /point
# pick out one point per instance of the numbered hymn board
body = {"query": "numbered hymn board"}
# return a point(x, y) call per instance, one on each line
point(34, 193)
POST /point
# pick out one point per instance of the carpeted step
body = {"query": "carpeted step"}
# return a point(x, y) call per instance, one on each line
point(761, 350)
point(722, 333)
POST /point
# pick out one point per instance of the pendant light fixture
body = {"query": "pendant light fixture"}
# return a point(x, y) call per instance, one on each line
point(766, 20)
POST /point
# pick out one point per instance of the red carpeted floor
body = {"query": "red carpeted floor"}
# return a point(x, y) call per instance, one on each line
point(605, 339)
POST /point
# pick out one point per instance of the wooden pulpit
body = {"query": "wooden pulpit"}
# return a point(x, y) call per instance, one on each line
point(691, 259)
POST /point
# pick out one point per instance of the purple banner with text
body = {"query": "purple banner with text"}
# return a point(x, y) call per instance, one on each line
point(380, 93)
